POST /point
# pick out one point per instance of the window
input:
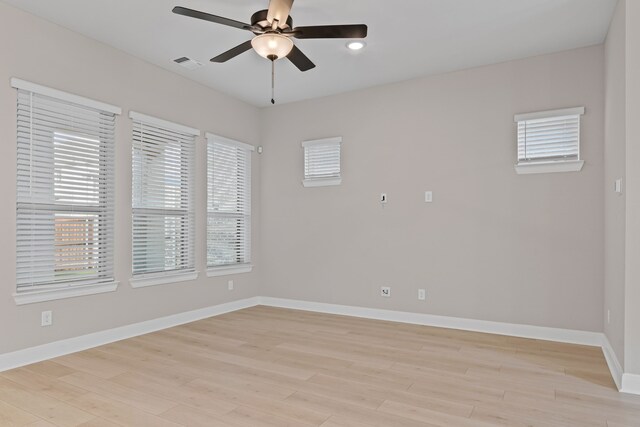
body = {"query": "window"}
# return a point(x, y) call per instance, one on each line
point(163, 201)
point(228, 206)
point(65, 194)
point(549, 141)
point(322, 162)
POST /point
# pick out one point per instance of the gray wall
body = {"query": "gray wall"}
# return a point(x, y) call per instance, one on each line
point(622, 213)
point(614, 156)
point(632, 287)
point(35, 50)
point(494, 245)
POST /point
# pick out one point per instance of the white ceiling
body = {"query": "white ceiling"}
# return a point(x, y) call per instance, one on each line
point(407, 38)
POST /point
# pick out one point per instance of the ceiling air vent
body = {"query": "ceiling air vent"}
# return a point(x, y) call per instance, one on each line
point(188, 63)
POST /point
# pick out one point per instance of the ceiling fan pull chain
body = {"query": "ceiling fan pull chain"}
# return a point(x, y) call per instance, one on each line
point(273, 82)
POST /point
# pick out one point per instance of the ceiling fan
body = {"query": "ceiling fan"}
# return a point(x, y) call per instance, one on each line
point(273, 30)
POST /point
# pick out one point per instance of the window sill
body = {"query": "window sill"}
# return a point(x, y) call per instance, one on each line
point(33, 297)
point(321, 182)
point(143, 282)
point(549, 167)
point(225, 271)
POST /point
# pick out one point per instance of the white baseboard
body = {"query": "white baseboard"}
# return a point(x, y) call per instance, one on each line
point(630, 384)
point(627, 383)
point(84, 342)
point(499, 328)
point(612, 361)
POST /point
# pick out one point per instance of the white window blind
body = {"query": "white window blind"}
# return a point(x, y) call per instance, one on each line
point(65, 190)
point(228, 202)
point(322, 162)
point(163, 197)
point(549, 136)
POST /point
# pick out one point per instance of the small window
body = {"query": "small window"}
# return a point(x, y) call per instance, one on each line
point(322, 162)
point(228, 206)
point(549, 141)
point(65, 194)
point(163, 201)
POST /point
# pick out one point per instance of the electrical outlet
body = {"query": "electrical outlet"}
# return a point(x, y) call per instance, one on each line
point(46, 318)
point(385, 291)
point(230, 285)
point(428, 196)
point(422, 294)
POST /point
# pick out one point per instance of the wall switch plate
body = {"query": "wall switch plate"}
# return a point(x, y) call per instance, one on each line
point(230, 285)
point(428, 196)
point(385, 291)
point(46, 318)
point(618, 186)
point(608, 317)
point(422, 294)
point(383, 198)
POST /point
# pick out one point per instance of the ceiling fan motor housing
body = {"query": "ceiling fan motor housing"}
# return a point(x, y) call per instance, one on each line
point(259, 19)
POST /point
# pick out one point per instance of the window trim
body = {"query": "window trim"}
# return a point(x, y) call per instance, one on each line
point(64, 96)
point(162, 279)
point(546, 165)
point(212, 136)
point(65, 290)
point(155, 121)
point(42, 295)
point(549, 167)
point(224, 270)
point(322, 182)
point(575, 111)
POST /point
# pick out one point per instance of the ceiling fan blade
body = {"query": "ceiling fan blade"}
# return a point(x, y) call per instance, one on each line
point(232, 53)
point(279, 9)
point(331, 32)
point(300, 60)
point(211, 18)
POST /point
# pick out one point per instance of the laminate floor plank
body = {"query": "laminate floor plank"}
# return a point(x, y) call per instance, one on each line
point(141, 400)
point(14, 416)
point(45, 407)
point(46, 385)
point(117, 412)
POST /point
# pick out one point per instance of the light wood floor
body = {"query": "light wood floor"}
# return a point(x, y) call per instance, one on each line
point(273, 367)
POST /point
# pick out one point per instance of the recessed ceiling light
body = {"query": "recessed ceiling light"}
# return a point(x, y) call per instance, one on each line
point(356, 45)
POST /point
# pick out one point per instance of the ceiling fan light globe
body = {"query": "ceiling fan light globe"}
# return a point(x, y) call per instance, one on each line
point(271, 44)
